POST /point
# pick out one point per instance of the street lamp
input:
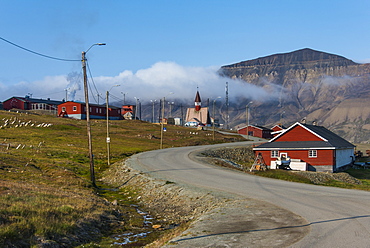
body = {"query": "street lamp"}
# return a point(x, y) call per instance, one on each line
point(153, 102)
point(107, 107)
point(171, 103)
point(124, 97)
point(88, 126)
point(162, 120)
point(213, 123)
point(247, 109)
point(136, 107)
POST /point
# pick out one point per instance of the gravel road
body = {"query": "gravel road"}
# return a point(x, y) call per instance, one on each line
point(261, 212)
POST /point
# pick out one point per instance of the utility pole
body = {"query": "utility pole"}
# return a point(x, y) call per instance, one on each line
point(182, 115)
point(227, 105)
point(88, 125)
point(247, 110)
point(162, 123)
point(108, 138)
point(153, 102)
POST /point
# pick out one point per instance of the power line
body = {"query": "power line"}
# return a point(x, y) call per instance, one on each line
point(40, 54)
point(93, 82)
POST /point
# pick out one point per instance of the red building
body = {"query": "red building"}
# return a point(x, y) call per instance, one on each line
point(27, 103)
point(77, 110)
point(128, 112)
point(277, 129)
point(314, 146)
point(256, 131)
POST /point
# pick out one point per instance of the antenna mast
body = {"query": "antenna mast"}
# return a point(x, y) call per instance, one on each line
point(227, 105)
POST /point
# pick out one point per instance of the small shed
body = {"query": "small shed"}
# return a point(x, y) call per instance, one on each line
point(256, 131)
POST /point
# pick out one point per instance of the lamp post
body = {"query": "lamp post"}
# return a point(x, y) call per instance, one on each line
point(124, 97)
point(153, 101)
point(213, 123)
point(171, 103)
point(107, 110)
point(247, 109)
point(136, 107)
point(162, 120)
point(88, 126)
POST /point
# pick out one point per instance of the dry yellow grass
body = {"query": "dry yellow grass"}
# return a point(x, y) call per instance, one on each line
point(45, 191)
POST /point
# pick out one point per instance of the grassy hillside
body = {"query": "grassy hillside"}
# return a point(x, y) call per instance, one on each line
point(45, 192)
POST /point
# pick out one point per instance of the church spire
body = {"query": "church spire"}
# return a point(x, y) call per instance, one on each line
point(197, 101)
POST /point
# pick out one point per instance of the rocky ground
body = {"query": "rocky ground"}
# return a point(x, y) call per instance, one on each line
point(169, 204)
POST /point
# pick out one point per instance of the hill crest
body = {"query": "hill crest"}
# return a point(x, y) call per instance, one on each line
point(299, 57)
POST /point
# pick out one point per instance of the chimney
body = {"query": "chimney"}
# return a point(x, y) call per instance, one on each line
point(303, 121)
point(314, 123)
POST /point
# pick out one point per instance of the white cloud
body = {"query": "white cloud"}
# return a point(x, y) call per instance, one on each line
point(146, 84)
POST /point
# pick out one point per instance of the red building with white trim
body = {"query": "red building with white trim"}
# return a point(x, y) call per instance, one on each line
point(77, 110)
point(319, 148)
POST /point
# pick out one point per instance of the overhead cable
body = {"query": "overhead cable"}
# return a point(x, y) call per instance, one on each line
point(40, 54)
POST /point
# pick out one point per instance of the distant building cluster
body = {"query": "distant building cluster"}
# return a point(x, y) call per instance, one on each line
point(69, 109)
point(298, 147)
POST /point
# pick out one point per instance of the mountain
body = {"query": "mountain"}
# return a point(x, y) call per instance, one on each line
point(327, 88)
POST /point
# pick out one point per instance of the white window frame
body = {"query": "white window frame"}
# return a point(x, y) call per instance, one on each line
point(312, 153)
point(274, 154)
point(64, 109)
point(74, 108)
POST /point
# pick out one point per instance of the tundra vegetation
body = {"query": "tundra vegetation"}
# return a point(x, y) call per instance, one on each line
point(46, 197)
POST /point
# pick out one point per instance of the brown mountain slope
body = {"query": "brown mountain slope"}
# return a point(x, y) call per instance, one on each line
point(322, 87)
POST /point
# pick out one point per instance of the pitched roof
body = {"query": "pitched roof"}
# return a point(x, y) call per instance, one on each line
point(201, 116)
point(328, 139)
point(256, 126)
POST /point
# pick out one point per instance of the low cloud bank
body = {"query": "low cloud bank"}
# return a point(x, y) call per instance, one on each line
point(148, 84)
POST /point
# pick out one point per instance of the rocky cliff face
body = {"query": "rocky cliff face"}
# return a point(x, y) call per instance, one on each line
point(318, 86)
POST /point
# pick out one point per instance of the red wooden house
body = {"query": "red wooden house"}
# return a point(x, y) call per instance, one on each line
point(315, 146)
point(77, 110)
point(27, 103)
point(256, 131)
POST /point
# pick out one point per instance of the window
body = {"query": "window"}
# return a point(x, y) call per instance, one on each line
point(74, 108)
point(64, 109)
point(274, 154)
point(312, 153)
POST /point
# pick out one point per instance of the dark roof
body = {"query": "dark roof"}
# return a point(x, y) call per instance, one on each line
point(261, 127)
point(333, 139)
point(256, 126)
point(329, 139)
point(34, 100)
point(279, 125)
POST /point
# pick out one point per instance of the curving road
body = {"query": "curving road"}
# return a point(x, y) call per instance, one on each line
point(337, 217)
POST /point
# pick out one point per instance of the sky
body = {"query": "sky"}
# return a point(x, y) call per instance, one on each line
point(157, 47)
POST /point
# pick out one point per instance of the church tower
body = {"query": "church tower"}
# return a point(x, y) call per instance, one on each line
point(197, 102)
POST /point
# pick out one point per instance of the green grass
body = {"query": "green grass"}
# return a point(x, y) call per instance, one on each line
point(45, 188)
point(283, 175)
